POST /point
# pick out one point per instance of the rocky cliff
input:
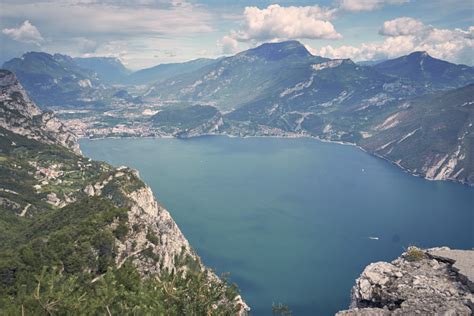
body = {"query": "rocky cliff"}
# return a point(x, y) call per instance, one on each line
point(21, 116)
point(91, 222)
point(437, 281)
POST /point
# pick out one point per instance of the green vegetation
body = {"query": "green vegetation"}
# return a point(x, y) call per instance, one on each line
point(54, 261)
point(151, 237)
point(64, 260)
point(117, 292)
point(184, 117)
point(415, 254)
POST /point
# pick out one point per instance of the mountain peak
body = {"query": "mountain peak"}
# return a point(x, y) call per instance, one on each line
point(422, 68)
point(33, 55)
point(280, 50)
point(419, 54)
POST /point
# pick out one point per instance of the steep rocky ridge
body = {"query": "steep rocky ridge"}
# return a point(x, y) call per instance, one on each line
point(21, 116)
point(49, 193)
point(436, 281)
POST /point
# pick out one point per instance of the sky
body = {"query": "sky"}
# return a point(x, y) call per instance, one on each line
point(144, 33)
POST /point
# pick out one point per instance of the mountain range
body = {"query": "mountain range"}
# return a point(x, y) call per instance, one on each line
point(415, 111)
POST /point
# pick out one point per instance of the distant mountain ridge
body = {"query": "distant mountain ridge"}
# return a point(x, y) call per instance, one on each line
point(389, 109)
point(56, 80)
point(423, 69)
point(62, 81)
point(247, 76)
point(278, 51)
point(108, 69)
point(257, 76)
point(165, 71)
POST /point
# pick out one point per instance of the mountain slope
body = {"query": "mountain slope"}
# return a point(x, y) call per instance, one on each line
point(108, 69)
point(19, 115)
point(165, 71)
point(79, 235)
point(322, 88)
point(236, 80)
point(285, 75)
point(432, 136)
point(53, 80)
point(58, 81)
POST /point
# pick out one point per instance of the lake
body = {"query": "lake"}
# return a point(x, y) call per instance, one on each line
point(290, 219)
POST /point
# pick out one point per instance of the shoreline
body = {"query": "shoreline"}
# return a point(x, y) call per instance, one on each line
point(291, 136)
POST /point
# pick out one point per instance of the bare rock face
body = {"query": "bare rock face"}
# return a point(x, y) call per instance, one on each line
point(154, 242)
point(436, 281)
point(462, 262)
point(21, 116)
point(154, 220)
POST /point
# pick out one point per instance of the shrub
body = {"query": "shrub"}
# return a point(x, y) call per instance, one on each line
point(121, 231)
point(151, 237)
point(415, 254)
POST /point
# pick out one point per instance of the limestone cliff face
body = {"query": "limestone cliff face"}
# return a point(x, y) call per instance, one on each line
point(437, 281)
point(21, 116)
point(154, 242)
point(150, 226)
point(171, 243)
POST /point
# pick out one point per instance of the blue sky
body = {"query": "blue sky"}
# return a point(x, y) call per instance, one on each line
point(143, 33)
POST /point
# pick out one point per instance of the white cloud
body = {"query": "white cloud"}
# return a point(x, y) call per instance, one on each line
point(77, 27)
point(25, 33)
point(367, 5)
point(402, 26)
point(228, 45)
point(120, 18)
point(454, 45)
point(276, 23)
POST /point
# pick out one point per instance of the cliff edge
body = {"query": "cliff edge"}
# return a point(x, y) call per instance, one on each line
point(436, 281)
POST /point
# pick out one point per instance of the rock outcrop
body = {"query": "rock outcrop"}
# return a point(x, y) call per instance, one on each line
point(437, 281)
point(170, 243)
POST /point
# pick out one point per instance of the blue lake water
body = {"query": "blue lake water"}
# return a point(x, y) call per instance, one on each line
point(290, 219)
